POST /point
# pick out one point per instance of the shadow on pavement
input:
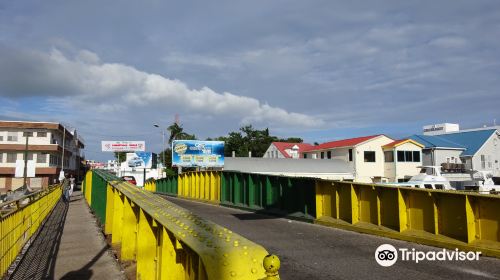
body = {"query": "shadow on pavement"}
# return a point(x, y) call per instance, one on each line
point(85, 272)
point(39, 260)
point(254, 216)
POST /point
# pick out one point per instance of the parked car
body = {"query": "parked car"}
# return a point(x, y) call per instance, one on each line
point(130, 179)
point(134, 162)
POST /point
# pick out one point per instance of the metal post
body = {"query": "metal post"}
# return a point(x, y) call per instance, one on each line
point(64, 140)
point(25, 175)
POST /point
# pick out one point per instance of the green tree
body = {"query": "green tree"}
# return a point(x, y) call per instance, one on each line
point(177, 133)
point(120, 156)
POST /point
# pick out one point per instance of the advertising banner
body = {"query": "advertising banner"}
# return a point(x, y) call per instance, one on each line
point(19, 172)
point(123, 146)
point(194, 153)
point(140, 160)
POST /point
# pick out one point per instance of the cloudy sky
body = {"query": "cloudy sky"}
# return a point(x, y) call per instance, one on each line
point(320, 70)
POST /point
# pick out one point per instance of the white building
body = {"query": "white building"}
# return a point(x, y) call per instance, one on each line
point(402, 159)
point(285, 150)
point(464, 151)
point(366, 157)
point(50, 146)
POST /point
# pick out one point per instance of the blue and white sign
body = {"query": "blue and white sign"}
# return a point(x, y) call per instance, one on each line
point(140, 159)
point(194, 153)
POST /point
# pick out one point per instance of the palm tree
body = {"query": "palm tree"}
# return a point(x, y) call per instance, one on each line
point(177, 133)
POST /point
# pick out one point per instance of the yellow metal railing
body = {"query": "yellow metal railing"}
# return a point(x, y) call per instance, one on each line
point(150, 185)
point(20, 219)
point(202, 185)
point(449, 219)
point(168, 242)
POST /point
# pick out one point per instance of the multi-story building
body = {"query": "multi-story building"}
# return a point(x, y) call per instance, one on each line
point(50, 146)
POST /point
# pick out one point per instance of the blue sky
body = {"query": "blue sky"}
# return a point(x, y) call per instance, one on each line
point(320, 70)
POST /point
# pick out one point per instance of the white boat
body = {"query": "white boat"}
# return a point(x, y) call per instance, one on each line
point(483, 182)
point(430, 177)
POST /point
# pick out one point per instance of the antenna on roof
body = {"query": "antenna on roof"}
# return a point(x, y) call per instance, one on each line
point(176, 118)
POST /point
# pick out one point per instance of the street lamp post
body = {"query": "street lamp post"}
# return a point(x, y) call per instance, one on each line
point(163, 144)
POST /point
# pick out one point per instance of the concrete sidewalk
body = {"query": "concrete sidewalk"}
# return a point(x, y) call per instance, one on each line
point(69, 246)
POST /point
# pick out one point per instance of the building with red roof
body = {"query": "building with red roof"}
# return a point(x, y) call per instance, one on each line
point(366, 156)
point(286, 150)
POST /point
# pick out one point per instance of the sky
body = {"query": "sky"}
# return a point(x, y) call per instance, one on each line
point(319, 70)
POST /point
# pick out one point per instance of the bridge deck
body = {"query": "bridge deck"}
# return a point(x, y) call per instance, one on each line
point(309, 251)
point(69, 246)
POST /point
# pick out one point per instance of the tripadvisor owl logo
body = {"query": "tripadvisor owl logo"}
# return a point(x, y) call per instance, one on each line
point(386, 255)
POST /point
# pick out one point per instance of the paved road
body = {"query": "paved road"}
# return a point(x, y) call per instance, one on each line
point(309, 251)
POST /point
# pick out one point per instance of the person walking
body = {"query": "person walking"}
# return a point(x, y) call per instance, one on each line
point(71, 184)
point(65, 188)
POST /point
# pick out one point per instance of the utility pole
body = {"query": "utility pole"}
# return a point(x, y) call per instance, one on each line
point(62, 161)
point(25, 173)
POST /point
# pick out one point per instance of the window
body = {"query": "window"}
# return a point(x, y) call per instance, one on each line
point(389, 156)
point(369, 156)
point(322, 155)
point(329, 154)
point(30, 156)
point(416, 156)
point(41, 158)
point(41, 134)
point(12, 136)
point(401, 156)
point(27, 134)
point(305, 155)
point(1, 157)
point(350, 154)
point(11, 157)
point(1, 137)
point(408, 156)
point(483, 162)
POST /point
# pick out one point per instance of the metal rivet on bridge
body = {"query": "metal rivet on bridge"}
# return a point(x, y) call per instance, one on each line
point(254, 270)
point(225, 255)
point(254, 260)
point(225, 263)
point(233, 274)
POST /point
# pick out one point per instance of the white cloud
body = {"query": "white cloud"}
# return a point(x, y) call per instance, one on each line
point(449, 42)
point(112, 87)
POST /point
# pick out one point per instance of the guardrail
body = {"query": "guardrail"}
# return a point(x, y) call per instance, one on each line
point(20, 220)
point(168, 242)
point(450, 219)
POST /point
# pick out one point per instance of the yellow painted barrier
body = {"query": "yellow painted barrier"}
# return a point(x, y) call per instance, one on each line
point(20, 219)
point(150, 185)
point(202, 185)
point(88, 187)
point(169, 242)
point(440, 218)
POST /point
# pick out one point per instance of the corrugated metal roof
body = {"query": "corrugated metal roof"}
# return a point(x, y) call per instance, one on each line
point(351, 142)
point(256, 165)
point(472, 140)
point(469, 141)
point(434, 142)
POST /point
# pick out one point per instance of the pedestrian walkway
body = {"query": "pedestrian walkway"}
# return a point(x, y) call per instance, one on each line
point(69, 246)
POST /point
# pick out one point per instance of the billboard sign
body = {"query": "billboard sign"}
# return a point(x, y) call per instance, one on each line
point(194, 153)
point(123, 146)
point(140, 160)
